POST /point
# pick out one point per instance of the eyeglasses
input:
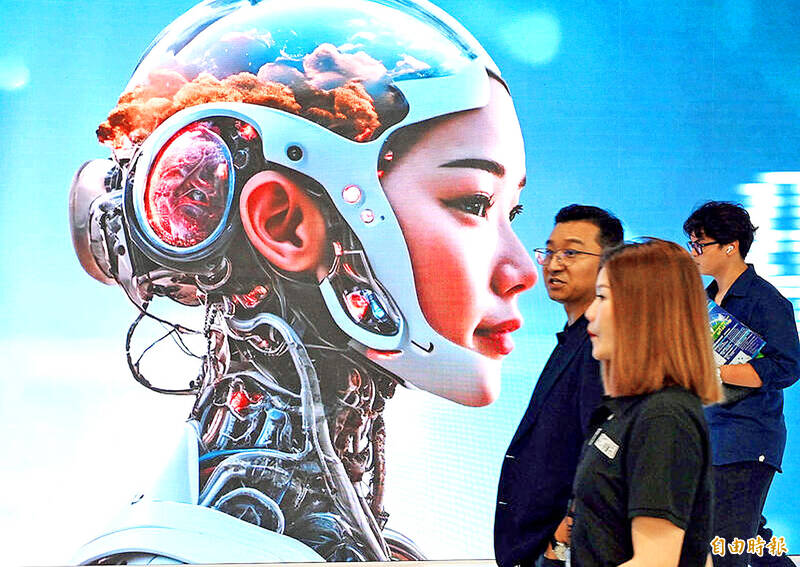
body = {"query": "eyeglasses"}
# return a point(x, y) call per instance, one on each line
point(565, 256)
point(697, 247)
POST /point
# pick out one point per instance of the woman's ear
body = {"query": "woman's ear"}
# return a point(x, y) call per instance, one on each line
point(283, 223)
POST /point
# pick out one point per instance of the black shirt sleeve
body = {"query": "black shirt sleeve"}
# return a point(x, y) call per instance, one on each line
point(664, 462)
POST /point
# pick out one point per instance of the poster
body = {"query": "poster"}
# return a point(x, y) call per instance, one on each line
point(645, 110)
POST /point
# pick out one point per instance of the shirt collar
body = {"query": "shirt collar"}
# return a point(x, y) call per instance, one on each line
point(740, 287)
point(620, 405)
point(578, 328)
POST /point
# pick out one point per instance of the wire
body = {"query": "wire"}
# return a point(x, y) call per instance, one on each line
point(178, 340)
point(134, 367)
point(144, 312)
point(177, 329)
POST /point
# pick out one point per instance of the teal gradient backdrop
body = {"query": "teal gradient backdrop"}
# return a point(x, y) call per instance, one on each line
point(646, 109)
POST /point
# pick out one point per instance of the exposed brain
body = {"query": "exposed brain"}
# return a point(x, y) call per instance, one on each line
point(345, 106)
point(338, 69)
point(188, 188)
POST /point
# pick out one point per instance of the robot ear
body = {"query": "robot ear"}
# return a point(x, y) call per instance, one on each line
point(91, 184)
point(283, 222)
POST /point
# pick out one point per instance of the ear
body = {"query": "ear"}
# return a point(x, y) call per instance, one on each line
point(283, 223)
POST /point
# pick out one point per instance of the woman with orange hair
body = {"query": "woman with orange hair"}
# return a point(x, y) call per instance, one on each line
point(642, 493)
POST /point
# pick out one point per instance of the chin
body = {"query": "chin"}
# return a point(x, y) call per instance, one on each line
point(461, 374)
point(475, 391)
point(488, 390)
point(556, 296)
point(481, 398)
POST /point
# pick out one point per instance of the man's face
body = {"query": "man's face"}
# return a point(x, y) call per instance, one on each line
point(714, 258)
point(572, 281)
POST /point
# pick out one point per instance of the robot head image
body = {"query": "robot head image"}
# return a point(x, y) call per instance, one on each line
point(334, 183)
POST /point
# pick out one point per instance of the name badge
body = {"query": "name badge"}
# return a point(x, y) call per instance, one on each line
point(606, 445)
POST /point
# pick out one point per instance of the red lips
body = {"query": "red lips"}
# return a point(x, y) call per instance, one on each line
point(495, 341)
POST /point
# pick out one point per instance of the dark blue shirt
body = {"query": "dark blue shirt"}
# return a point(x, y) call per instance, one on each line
point(536, 479)
point(753, 428)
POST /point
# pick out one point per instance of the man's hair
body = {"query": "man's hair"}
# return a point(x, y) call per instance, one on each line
point(661, 335)
point(610, 235)
point(722, 221)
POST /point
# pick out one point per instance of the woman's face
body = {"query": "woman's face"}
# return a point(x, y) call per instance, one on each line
point(454, 193)
point(601, 319)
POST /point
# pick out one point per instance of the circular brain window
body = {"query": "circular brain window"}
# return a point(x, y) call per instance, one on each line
point(189, 188)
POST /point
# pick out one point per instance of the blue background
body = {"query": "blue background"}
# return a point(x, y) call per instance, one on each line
point(644, 108)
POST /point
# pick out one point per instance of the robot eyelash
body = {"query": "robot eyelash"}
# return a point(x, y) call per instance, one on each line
point(516, 210)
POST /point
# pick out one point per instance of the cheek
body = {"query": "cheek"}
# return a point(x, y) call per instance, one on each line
point(586, 278)
point(447, 277)
point(705, 268)
point(608, 327)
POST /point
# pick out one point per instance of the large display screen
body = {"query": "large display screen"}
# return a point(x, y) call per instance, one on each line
point(646, 109)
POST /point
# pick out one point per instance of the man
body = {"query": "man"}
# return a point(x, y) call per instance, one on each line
point(748, 434)
point(536, 479)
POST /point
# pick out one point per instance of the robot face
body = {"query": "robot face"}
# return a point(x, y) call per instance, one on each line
point(318, 87)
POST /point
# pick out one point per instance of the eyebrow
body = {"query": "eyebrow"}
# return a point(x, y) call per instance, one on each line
point(489, 165)
point(571, 239)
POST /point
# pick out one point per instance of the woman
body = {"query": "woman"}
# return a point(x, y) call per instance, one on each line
point(642, 492)
point(333, 182)
point(748, 433)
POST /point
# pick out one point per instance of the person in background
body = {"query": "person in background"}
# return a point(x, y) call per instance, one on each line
point(747, 436)
point(537, 473)
point(643, 492)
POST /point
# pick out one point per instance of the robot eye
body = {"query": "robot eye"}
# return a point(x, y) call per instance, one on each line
point(188, 189)
point(198, 196)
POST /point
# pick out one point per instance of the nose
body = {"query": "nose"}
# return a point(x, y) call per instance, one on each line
point(556, 263)
point(591, 311)
point(515, 270)
point(560, 258)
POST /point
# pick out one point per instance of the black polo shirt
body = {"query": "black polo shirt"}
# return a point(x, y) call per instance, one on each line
point(648, 456)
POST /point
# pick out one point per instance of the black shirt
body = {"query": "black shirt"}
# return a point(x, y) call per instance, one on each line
point(538, 469)
point(648, 456)
point(753, 429)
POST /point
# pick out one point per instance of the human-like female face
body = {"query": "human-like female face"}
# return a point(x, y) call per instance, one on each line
point(454, 193)
point(601, 319)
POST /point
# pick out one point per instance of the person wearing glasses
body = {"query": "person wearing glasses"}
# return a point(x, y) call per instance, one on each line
point(748, 434)
point(536, 477)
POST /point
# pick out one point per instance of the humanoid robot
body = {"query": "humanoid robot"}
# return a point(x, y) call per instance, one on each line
point(283, 453)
